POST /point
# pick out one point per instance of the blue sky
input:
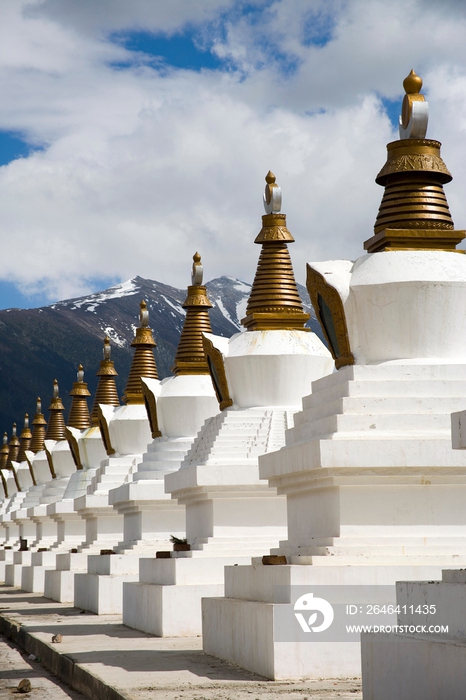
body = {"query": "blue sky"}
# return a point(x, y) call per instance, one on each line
point(133, 134)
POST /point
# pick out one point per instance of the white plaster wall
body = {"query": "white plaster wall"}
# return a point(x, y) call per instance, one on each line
point(185, 403)
point(129, 429)
point(274, 368)
point(407, 304)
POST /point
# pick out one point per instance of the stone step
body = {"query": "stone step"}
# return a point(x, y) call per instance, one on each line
point(381, 405)
point(428, 423)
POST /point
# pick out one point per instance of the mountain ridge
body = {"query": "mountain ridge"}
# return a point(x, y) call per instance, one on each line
point(47, 343)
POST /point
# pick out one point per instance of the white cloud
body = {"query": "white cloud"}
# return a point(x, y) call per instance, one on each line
point(143, 167)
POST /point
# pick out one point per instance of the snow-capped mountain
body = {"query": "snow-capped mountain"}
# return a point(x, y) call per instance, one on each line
point(39, 345)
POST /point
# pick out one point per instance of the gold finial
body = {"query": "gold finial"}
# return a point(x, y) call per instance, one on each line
point(106, 392)
point(143, 314)
point(39, 425)
point(79, 413)
point(412, 83)
point(25, 439)
point(414, 109)
point(190, 356)
point(274, 302)
point(14, 446)
point(107, 349)
point(56, 427)
point(272, 195)
point(143, 364)
point(197, 271)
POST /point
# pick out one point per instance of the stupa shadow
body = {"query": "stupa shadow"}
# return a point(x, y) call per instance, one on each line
point(167, 660)
point(84, 628)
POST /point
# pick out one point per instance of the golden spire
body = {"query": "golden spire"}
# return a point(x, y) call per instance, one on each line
point(79, 413)
point(414, 213)
point(4, 452)
point(7, 453)
point(190, 356)
point(38, 433)
point(274, 302)
point(106, 389)
point(14, 446)
point(25, 439)
point(4, 484)
point(143, 364)
point(56, 427)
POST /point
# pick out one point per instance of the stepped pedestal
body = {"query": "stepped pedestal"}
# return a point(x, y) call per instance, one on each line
point(100, 589)
point(71, 526)
point(59, 582)
point(6, 557)
point(71, 530)
point(374, 491)
point(11, 530)
point(33, 575)
point(426, 657)
point(60, 459)
point(128, 430)
point(150, 515)
point(104, 525)
point(230, 516)
point(182, 403)
point(32, 498)
point(13, 571)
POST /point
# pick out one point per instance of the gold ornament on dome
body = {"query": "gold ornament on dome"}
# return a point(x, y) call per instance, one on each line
point(414, 212)
point(105, 432)
point(217, 373)
point(56, 427)
point(49, 456)
point(143, 364)
point(274, 302)
point(14, 447)
point(12, 469)
point(106, 392)
point(4, 485)
point(74, 449)
point(190, 357)
point(4, 452)
point(151, 410)
point(330, 313)
point(39, 425)
point(79, 412)
point(25, 439)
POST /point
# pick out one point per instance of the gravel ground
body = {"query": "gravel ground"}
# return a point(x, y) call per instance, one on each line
point(15, 665)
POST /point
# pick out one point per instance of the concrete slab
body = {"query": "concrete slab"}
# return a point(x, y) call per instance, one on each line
point(105, 660)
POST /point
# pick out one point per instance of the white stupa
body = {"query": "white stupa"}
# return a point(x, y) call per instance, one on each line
point(87, 447)
point(231, 514)
point(177, 408)
point(126, 433)
point(374, 490)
